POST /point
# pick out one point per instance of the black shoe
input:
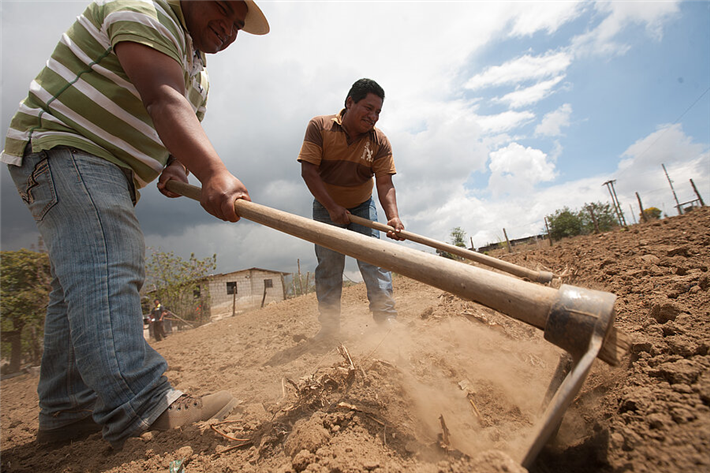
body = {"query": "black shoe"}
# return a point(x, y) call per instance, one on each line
point(78, 430)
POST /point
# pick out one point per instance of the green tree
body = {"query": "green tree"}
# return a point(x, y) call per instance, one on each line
point(24, 288)
point(604, 216)
point(565, 223)
point(180, 285)
point(592, 218)
point(457, 238)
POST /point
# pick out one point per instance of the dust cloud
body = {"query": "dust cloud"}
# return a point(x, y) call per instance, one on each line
point(484, 381)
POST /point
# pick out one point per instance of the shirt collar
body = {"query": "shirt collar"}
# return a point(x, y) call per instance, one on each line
point(177, 9)
point(338, 118)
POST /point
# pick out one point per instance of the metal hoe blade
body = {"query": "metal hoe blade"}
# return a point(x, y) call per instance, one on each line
point(578, 323)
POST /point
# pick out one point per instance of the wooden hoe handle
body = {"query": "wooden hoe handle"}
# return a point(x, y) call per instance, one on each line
point(520, 271)
point(522, 300)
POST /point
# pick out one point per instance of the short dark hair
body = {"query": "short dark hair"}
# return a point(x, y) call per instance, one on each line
point(362, 87)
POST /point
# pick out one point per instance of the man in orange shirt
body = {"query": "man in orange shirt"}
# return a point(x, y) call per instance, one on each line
point(339, 157)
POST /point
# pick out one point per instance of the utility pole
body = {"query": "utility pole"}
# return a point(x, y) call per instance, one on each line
point(615, 201)
point(677, 204)
point(643, 214)
point(618, 204)
point(702, 204)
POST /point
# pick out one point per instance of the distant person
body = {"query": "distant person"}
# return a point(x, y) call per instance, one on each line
point(118, 105)
point(339, 157)
point(156, 319)
point(167, 322)
point(161, 323)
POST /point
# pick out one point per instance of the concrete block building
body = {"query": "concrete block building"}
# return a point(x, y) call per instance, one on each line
point(247, 289)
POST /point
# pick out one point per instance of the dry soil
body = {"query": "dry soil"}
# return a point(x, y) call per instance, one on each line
point(457, 387)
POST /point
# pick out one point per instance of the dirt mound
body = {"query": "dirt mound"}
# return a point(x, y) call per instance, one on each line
point(456, 387)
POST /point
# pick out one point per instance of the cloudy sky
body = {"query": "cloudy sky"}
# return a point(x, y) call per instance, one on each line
point(499, 113)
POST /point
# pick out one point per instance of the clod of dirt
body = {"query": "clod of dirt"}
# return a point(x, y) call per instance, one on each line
point(308, 435)
point(495, 461)
point(664, 312)
point(678, 372)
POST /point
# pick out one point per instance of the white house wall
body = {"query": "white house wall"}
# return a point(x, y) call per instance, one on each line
point(250, 290)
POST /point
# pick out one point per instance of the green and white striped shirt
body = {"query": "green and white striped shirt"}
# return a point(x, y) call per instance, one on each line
point(84, 99)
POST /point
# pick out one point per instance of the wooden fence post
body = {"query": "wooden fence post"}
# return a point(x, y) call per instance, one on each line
point(702, 204)
point(300, 283)
point(643, 214)
point(510, 250)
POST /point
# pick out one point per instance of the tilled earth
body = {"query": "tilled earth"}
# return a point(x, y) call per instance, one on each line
point(457, 387)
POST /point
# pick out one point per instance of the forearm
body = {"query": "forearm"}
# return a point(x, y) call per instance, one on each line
point(309, 173)
point(388, 200)
point(185, 139)
point(338, 213)
point(321, 194)
point(183, 135)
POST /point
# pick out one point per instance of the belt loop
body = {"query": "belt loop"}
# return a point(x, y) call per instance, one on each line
point(131, 184)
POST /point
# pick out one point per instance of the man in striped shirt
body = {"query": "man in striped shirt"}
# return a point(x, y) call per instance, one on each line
point(339, 157)
point(118, 105)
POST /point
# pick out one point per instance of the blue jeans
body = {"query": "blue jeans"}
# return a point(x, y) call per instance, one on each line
point(96, 361)
point(329, 272)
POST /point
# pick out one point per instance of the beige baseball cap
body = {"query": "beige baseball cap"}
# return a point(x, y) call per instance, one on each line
point(255, 21)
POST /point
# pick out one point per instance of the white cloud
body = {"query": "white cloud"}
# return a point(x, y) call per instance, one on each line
point(641, 168)
point(535, 16)
point(667, 144)
point(553, 122)
point(520, 213)
point(652, 15)
point(515, 170)
point(504, 121)
point(530, 95)
point(617, 16)
point(556, 150)
point(436, 159)
point(522, 69)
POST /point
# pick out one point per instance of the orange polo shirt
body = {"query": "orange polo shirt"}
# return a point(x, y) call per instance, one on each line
point(346, 168)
